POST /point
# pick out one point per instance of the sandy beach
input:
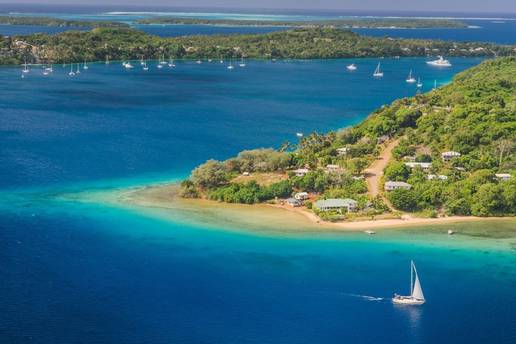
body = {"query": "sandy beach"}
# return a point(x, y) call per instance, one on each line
point(166, 197)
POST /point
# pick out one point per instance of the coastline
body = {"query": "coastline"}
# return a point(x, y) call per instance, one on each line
point(165, 197)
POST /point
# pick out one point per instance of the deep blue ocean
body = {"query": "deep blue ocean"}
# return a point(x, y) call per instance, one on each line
point(89, 272)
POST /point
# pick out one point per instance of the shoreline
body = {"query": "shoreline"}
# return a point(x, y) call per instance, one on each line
point(166, 197)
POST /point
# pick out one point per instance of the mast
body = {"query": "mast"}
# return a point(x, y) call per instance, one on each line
point(411, 277)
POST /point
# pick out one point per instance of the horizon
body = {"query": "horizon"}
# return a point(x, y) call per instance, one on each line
point(498, 7)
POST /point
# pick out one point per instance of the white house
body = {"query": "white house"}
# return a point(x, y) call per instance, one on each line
point(300, 172)
point(301, 196)
point(424, 165)
point(294, 202)
point(439, 176)
point(342, 151)
point(503, 176)
point(447, 156)
point(336, 204)
point(390, 185)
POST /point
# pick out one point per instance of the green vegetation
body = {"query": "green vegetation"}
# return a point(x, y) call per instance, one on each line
point(46, 21)
point(475, 115)
point(407, 23)
point(126, 44)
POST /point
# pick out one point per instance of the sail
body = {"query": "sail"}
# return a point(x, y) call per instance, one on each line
point(417, 292)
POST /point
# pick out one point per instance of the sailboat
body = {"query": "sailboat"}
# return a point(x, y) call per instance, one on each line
point(162, 61)
point(410, 78)
point(107, 59)
point(171, 63)
point(230, 65)
point(242, 63)
point(142, 63)
point(419, 83)
point(416, 296)
point(377, 72)
point(85, 66)
point(72, 73)
point(198, 61)
point(78, 71)
point(25, 68)
point(145, 67)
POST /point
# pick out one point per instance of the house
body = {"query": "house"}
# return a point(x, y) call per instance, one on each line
point(503, 176)
point(336, 204)
point(300, 172)
point(294, 202)
point(382, 139)
point(334, 169)
point(301, 196)
point(424, 165)
point(390, 185)
point(246, 174)
point(433, 176)
point(447, 156)
point(342, 151)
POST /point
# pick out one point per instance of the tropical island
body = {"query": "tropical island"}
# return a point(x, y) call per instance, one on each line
point(48, 21)
point(400, 23)
point(449, 152)
point(102, 44)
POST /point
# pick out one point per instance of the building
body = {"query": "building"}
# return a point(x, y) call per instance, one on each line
point(389, 186)
point(294, 202)
point(503, 176)
point(382, 139)
point(301, 196)
point(336, 204)
point(300, 172)
point(434, 176)
point(342, 151)
point(334, 169)
point(424, 165)
point(447, 156)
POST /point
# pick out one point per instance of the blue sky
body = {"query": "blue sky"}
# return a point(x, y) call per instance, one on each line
point(393, 5)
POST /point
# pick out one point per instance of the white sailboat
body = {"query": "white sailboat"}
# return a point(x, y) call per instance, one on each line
point(230, 65)
point(440, 62)
point(145, 67)
point(128, 65)
point(107, 60)
point(78, 71)
point(72, 73)
point(416, 296)
point(142, 62)
point(171, 63)
point(377, 72)
point(25, 68)
point(162, 61)
point(198, 61)
point(419, 83)
point(410, 78)
point(351, 67)
point(85, 66)
point(242, 63)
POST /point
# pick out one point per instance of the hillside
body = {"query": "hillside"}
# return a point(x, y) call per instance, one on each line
point(124, 44)
point(474, 116)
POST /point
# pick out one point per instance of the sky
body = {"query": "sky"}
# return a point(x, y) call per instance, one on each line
point(492, 6)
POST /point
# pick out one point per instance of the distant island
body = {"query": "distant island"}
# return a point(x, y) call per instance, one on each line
point(100, 44)
point(449, 152)
point(48, 21)
point(403, 23)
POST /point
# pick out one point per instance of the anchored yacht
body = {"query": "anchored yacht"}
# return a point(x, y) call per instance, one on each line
point(440, 62)
point(351, 67)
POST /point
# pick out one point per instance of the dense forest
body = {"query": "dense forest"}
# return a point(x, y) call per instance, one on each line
point(407, 23)
point(125, 44)
point(474, 116)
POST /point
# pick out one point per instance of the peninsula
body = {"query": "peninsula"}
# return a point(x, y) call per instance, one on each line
point(439, 155)
point(48, 21)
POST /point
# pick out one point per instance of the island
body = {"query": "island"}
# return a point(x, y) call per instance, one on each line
point(125, 44)
point(377, 23)
point(48, 21)
point(447, 155)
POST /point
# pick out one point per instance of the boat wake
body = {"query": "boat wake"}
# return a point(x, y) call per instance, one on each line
point(366, 297)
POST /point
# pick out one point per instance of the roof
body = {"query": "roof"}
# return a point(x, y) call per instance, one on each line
point(302, 170)
point(503, 175)
point(422, 164)
point(335, 203)
point(450, 153)
point(292, 200)
point(302, 193)
point(402, 184)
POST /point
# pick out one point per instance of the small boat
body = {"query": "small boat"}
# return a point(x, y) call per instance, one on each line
point(351, 67)
point(221, 60)
point(416, 296)
point(440, 62)
point(242, 63)
point(159, 66)
point(377, 72)
point(410, 78)
point(72, 73)
point(50, 69)
point(78, 71)
point(162, 61)
point(142, 62)
point(231, 65)
point(369, 232)
point(210, 60)
point(145, 67)
point(85, 66)
point(419, 83)
point(107, 60)
point(45, 72)
point(299, 134)
point(128, 65)
point(450, 232)
point(198, 62)
point(171, 63)
point(25, 68)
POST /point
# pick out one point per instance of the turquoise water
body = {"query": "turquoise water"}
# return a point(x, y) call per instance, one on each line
point(76, 272)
